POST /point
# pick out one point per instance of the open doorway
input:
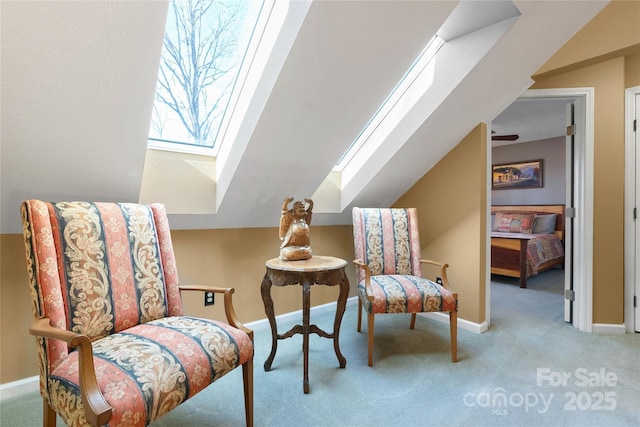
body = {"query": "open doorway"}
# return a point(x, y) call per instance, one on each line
point(524, 120)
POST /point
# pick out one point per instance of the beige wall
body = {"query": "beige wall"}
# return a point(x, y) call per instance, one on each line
point(451, 200)
point(235, 258)
point(226, 258)
point(17, 348)
point(632, 70)
point(609, 65)
point(608, 226)
point(612, 33)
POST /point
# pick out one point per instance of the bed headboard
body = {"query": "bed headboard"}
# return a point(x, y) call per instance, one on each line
point(537, 209)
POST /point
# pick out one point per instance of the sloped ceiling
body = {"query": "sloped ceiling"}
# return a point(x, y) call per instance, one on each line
point(78, 81)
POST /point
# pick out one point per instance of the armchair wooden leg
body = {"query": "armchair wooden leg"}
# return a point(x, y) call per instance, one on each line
point(370, 336)
point(453, 325)
point(359, 316)
point(48, 414)
point(247, 379)
point(413, 321)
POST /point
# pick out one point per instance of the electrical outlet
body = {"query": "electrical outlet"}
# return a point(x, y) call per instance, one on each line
point(209, 298)
point(439, 280)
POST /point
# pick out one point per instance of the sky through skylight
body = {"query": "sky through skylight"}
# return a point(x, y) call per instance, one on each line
point(204, 47)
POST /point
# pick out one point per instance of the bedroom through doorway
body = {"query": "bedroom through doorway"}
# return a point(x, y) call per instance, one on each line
point(541, 143)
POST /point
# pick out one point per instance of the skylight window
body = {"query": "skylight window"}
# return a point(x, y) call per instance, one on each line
point(203, 53)
point(362, 141)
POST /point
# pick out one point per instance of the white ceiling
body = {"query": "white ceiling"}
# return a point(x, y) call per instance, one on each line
point(532, 120)
point(78, 81)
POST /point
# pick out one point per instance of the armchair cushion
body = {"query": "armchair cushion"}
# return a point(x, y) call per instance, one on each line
point(149, 369)
point(399, 293)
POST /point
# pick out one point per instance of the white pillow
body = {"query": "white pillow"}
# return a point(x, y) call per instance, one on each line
point(544, 224)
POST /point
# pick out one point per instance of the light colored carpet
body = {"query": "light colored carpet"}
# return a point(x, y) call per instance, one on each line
point(505, 377)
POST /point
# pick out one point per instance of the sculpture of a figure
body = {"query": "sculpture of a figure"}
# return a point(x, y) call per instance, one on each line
point(294, 230)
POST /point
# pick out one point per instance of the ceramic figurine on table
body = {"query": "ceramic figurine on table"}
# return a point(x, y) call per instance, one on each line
point(294, 230)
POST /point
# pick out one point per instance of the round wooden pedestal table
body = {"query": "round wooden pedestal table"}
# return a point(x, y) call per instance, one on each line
point(318, 270)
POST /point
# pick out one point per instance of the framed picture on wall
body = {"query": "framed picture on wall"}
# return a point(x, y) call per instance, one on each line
point(517, 175)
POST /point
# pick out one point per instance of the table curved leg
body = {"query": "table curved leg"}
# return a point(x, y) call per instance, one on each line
point(265, 289)
point(340, 309)
point(306, 308)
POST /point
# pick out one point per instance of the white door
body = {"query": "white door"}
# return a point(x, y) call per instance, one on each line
point(632, 211)
point(570, 214)
point(636, 268)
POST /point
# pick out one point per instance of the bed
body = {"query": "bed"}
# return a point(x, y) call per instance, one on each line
point(526, 240)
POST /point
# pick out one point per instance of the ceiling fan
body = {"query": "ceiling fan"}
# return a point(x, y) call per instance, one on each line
point(512, 137)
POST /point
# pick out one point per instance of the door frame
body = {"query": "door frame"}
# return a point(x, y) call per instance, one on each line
point(583, 185)
point(631, 267)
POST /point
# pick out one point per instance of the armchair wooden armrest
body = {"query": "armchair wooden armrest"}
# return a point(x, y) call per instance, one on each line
point(229, 311)
point(97, 410)
point(367, 278)
point(443, 270)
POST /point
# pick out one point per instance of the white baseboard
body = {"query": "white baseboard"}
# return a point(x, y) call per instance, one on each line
point(467, 325)
point(28, 385)
point(283, 318)
point(19, 387)
point(477, 328)
point(608, 329)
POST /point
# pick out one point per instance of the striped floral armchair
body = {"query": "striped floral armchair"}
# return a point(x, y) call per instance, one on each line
point(114, 346)
point(389, 271)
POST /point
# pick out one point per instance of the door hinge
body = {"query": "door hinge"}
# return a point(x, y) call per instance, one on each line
point(635, 213)
point(635, 301)
point(571, 130)
point(570, 212)
point(634, 124)
point(570, 294)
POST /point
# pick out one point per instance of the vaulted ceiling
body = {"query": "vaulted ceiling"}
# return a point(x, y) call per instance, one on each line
point(78, 82)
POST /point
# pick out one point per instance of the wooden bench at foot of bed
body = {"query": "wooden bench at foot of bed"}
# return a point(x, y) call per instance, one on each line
point(509, 251)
